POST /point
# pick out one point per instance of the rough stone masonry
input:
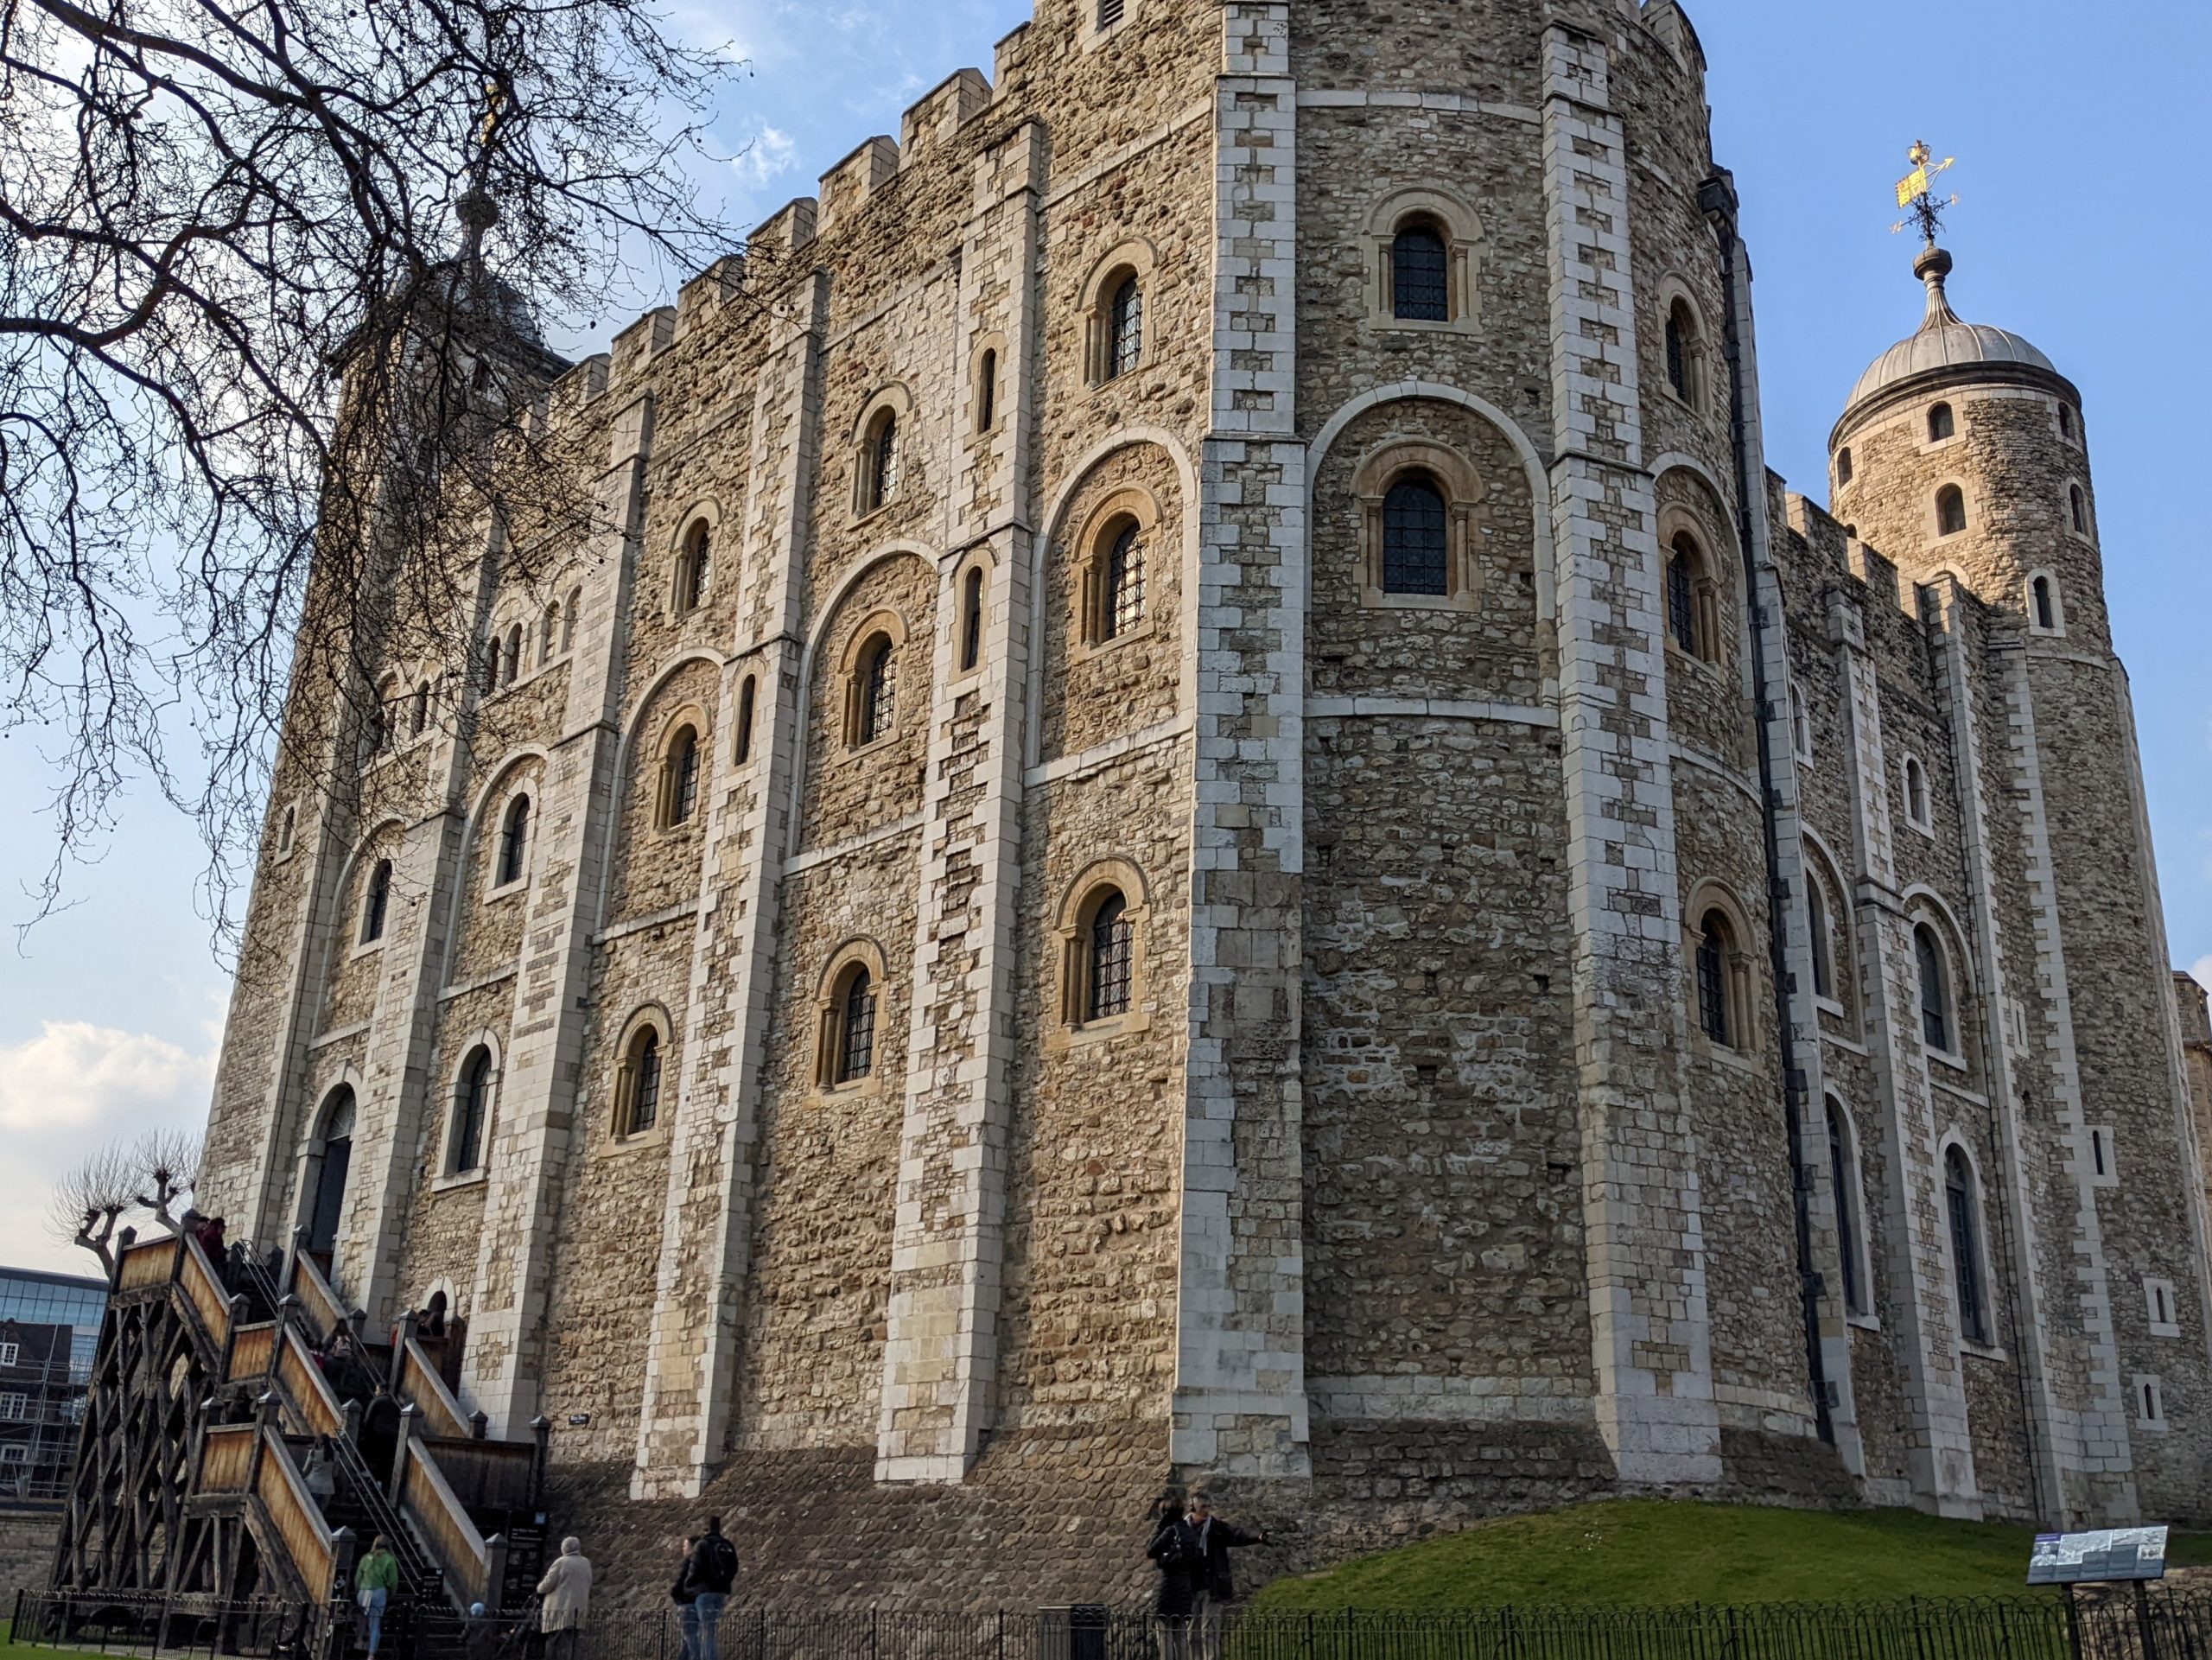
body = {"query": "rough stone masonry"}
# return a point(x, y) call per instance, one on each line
point(1268, 856)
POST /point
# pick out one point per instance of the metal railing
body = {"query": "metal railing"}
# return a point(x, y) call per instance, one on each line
point(2162, 1626)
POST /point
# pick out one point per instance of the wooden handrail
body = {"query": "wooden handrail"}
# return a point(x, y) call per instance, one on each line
point(419, 1383)
point(203, 1289)
point(486, 1474)
point(253, 1348)
point(226, 1460)
point(316, 1299)
point(295, 1516)
point(442, 1521)
point(149, 1263)
point(314, 1403)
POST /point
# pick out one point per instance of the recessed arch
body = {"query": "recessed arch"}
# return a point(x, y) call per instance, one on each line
point(1723, 969)
point(1441, 392)
point(472, 1106)
point(825, 622)
point(1445, 292)
point(1847, 1177)
point(1422, 504)
point(491, 799)
point(693, 555)
point(1686, 358)
point(1127, 267)
point(849, 1035)
point(1103, 926)
point(1966, 1238)
point(643, 1093)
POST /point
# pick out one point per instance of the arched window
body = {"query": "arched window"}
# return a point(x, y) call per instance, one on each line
point(514, 842)
point(1942, 423)
point(1801, 725)
point(1421, 264)
point(1844, 1171)
point(637, 1091)
point(2078, 505)
point(1843, 465)
point(1937, 1024)
point(511, 657)
point(1122, 593)
point(549, 635)
point(1816, 906)
point(2065, 423)
point(1916, 794)
point(878, 706)
point(1416, 537)
point(856, 1028)
point(1716, 1013)
point(971, 619)
point(333, 1164)
point(1950, 509)
point(288, 828)
point(1959, 1202)
point(1685, 354)
point(384, 721)
point(419, 720)
point(879, 466)
point(472, 1112)
point(1113, 951)
point(679, 778)
point(1692, 606)
point(376, 902)
point(1125, 328)
point(570, 610)
point(745, 698)
point(2046, 605)
point(987, 391)
point(691, 566)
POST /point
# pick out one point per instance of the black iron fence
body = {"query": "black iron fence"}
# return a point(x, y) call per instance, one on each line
point(2160, 1625)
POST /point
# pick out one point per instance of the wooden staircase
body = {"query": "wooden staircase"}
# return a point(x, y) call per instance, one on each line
point(207, 1405)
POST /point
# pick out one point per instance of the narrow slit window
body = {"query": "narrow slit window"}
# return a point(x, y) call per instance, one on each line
point(987, 393)
point(514, 842)
point(1843, 466)
point(1950, 509)
point(1714, 1013)
point(1935, 1022)
point(2078, 505)
point(1847, 1210)
point(682, 779)
point(472, 1107)
point(971, 619)
point(1965, 1246)
point(878, 693)
point(881, 462)
point(644, 1084)
point(376, 903)
point(745, 700)
point(510, 658)
point(1823, 970)
point(1416, 539)
point(1682, 574)
point(2046, 606)
point(692, 570)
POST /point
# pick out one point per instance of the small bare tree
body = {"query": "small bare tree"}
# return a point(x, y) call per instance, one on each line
point(150, 1175)
point(272, 278)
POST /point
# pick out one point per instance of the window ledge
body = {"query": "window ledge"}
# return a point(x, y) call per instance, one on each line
point(1864, 1322)
point(1064, 1038)
point(1994, 1353)
point(508, 890)
point(1467, 601)
point(365, 948)
point(1848, 1045)
point(477, 1178)
point(1924, 826)
point(872, 513)
point(1087, 648)
point(860, 1089)
point(1702, 665)
point(618, 1147)
point(1727, 1055)
point(1949, 1057)
point(1388, 323)
point(1829, 1006)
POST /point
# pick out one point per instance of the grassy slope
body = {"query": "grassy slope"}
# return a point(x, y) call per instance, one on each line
point(1649, 1551)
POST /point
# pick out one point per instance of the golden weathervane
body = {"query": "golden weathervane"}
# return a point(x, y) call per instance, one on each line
point(1916, 193)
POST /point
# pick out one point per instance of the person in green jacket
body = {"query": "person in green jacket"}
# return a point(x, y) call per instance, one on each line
point(377, 1579)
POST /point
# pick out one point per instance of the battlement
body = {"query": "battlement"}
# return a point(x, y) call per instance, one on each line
point(941, 111)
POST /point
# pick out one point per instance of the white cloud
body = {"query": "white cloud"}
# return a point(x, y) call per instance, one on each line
point(765, 156)
point(68, 1091)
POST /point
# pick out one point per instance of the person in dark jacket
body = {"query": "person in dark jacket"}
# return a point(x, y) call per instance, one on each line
point(1213, 1585)
point(1174, 1551)
point(687, 1602)
point(711, 1573)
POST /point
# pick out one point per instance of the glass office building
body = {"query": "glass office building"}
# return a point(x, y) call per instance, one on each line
point(49, 1330)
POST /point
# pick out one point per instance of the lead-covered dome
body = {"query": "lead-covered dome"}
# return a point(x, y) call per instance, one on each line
point(1944, 342)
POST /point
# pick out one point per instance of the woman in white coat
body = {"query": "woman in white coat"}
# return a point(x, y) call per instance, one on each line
point(567, 1590)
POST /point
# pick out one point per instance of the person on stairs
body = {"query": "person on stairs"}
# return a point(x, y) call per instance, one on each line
point(376, 1580)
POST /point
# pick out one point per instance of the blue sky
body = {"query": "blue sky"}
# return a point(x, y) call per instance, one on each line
point(2082, 137)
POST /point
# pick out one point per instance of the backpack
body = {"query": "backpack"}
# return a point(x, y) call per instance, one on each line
point(719, 1561)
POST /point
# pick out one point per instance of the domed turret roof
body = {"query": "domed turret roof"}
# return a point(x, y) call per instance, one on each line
point(1943, 341)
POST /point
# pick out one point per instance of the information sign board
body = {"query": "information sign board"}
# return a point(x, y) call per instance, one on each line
point(2118, 1554)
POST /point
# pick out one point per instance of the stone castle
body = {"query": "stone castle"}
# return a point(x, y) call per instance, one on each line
point(1201, 816)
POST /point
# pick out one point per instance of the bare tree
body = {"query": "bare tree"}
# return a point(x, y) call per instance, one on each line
point(121, 1180)
point(272, 278)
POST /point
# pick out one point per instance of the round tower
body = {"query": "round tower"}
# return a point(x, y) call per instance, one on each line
point(1962, 449)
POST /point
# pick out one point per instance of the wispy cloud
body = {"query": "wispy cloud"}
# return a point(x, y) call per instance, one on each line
point(68, 1091)
point(767, 154)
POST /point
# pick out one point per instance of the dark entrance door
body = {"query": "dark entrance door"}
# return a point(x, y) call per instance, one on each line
point(329, 1198)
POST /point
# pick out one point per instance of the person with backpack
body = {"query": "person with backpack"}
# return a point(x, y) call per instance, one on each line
point(1174, 1551)
point(710, 1573)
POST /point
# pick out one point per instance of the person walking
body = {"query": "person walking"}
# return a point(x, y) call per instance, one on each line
point(322, 1480)
point(711, 1573)
point(1214, 1586)
point(687, 1602)
point(1173, 1550)
point(375, 1580)
point(567, 1590)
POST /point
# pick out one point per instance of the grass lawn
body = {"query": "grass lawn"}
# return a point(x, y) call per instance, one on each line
point(1652, 1552)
